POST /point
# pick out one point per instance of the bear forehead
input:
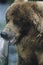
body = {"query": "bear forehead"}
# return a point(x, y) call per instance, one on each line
point(15, 6)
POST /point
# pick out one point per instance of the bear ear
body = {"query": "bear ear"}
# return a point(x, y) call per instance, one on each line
point(21, 0)
point(38, 22)
point(40, 27)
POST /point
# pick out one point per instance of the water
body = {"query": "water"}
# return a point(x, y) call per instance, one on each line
point(1, 45)
point(3, 8)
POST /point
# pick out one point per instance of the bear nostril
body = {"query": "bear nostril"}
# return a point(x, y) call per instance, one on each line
point(4, 35)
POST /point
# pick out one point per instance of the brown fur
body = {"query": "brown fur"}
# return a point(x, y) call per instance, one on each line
point(25, 20)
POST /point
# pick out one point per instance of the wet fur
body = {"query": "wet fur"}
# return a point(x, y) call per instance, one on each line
point(28, 17)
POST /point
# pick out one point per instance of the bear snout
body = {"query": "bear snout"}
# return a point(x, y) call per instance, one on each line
point(4, 35)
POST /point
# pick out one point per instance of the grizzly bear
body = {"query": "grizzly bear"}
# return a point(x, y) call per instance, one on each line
point(25, 29)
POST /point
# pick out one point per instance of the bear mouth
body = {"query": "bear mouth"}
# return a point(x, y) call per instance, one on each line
point(12, 40)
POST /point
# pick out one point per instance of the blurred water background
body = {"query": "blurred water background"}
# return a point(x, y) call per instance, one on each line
point(13, 56)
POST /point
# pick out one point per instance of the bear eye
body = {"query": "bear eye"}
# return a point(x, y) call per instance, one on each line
point(7, 20)
point(16, 22)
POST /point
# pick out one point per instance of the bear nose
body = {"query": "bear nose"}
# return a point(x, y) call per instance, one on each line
point(4, 35)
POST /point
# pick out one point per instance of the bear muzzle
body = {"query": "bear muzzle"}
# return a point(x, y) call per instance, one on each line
point(11, 39)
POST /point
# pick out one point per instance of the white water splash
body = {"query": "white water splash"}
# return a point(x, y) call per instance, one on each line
point(1, 45)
